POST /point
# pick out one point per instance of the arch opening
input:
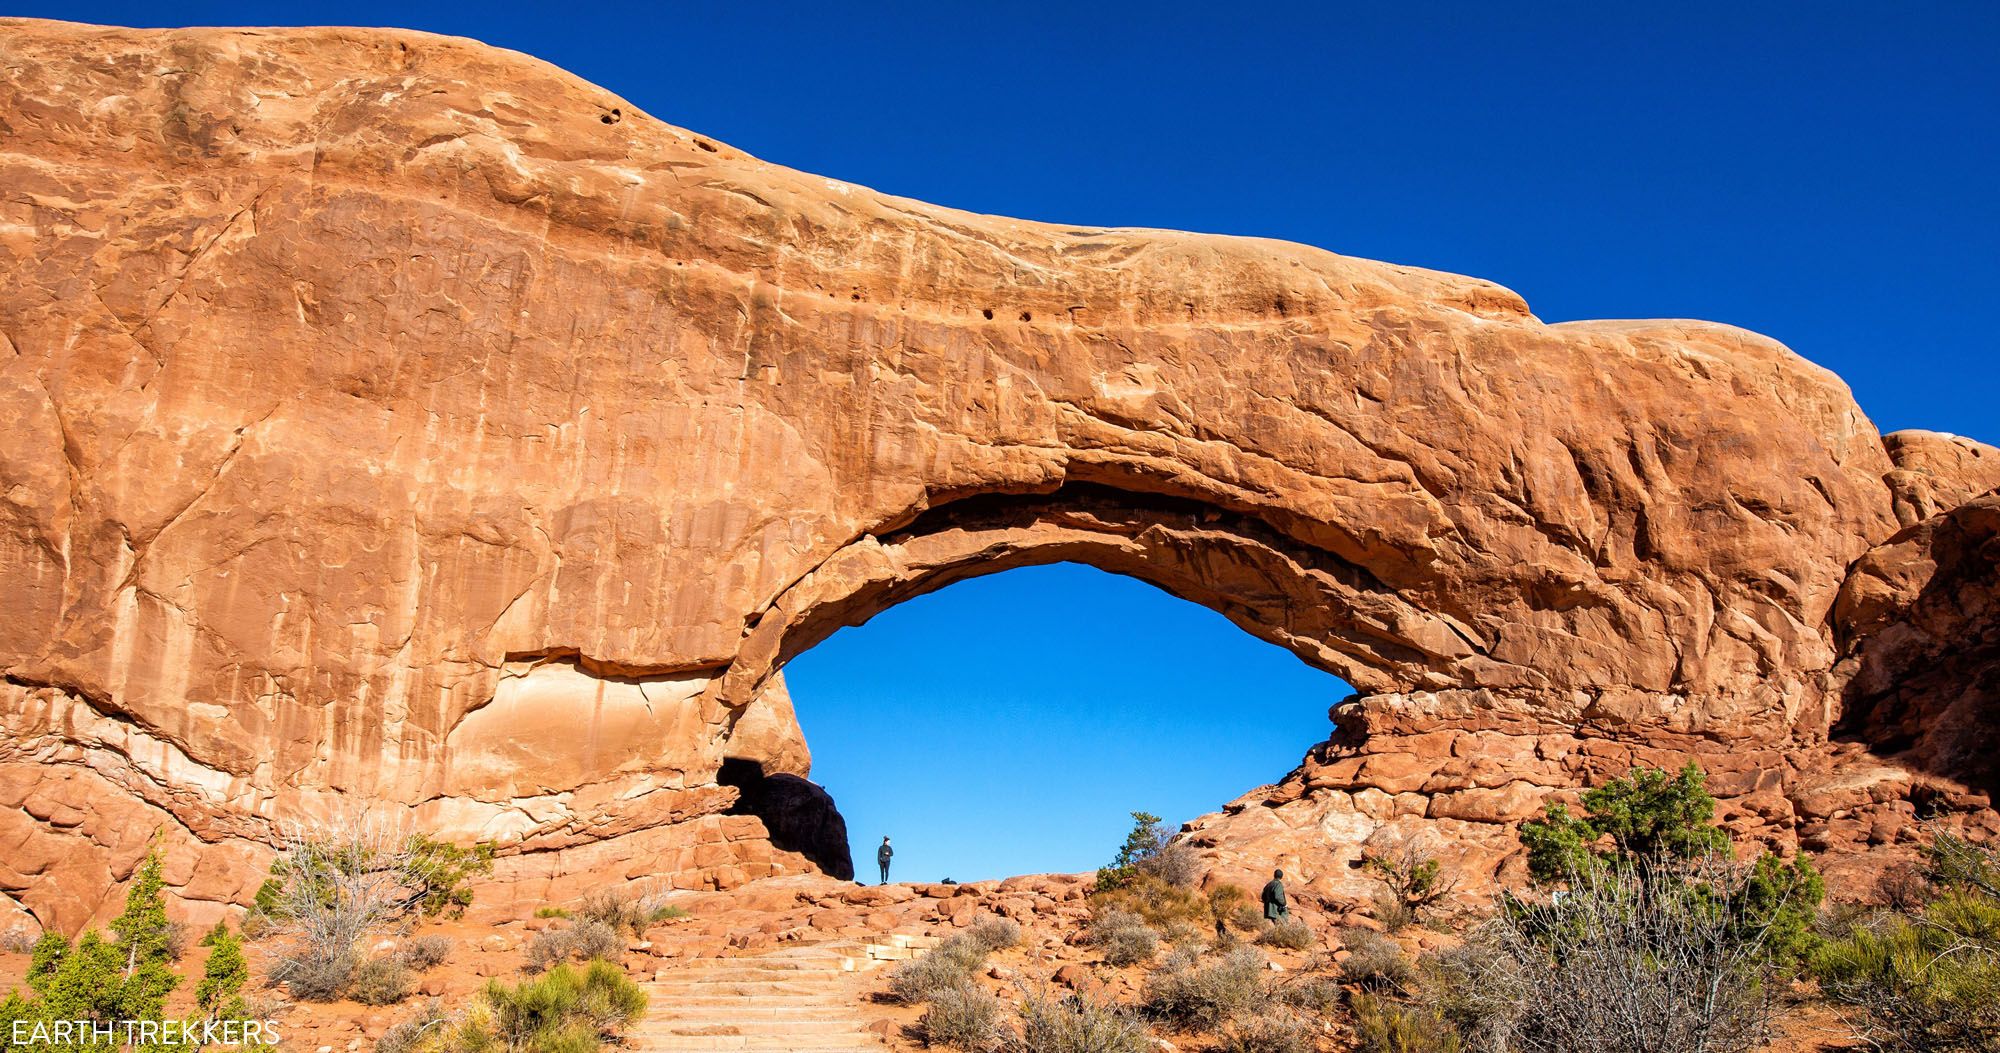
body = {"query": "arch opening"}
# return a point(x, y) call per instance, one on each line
point(1010, 724)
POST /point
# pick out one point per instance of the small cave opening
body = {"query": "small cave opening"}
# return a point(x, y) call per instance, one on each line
point(800, 815)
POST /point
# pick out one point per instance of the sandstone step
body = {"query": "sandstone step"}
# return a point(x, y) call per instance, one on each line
point(708, 1028)
point(672, 999)
point(784, 1043)
point(797, 999)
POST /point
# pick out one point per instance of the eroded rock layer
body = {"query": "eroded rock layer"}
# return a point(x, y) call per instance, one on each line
point(401, 422)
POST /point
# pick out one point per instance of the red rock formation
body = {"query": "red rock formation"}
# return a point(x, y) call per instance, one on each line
point(403, 421)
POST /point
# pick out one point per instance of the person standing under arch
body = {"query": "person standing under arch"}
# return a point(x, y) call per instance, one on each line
point(882, 857)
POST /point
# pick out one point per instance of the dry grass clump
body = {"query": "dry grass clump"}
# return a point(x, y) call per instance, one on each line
point(580, 941)
point(994, 934)
point(945, 967)
point(379, 981)
point(1385, 1026)
point(1267, 1032)
point(1161, 903)
point(626, 911)
point(1124, 937)
point(1188, 996)
point(423, 953)
point(963, 1017)
point(1290, 934)
point(1077, 1024)
point(1374, 961)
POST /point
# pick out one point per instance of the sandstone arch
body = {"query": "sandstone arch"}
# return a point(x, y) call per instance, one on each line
point(382, 409)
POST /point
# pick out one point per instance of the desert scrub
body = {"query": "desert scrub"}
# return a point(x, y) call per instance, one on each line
point(1666, 957)
point(1478, 989)
point(1124, 937)
point(627, 911)
point(947, 966)
point(1188, 996)
point(1163, 905)
point(565, 1011)
point(379, 981)
point(219, 993)
point(1267, 1032)
point(963, 1017)
point(994, 934)
point(427, 1024)
point(329, 889)
point(423, 953)
point(1076, 1024)
point(1290, 934)
point(1385, 1026)
point(1927, 979)
point(1374, 961)
point(126, 976)
point(580, 941)
point(1413, 882)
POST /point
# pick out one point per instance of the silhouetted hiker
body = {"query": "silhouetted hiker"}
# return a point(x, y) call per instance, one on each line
point(1274, 898)
point(882, 856)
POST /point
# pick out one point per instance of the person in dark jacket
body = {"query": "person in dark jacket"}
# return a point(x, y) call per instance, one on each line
point(882, 856)
point(1275, 909)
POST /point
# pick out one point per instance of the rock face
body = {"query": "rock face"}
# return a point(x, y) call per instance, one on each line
point(403, 422)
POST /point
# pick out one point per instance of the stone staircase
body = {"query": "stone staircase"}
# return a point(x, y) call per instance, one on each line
point(806, 998)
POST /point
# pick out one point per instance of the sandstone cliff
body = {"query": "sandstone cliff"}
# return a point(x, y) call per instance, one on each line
point(404, 422)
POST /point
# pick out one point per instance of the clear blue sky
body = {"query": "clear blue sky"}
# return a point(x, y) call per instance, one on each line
point(1824, 173)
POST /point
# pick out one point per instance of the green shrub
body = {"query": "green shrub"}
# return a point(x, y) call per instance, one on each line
point(379, 981)
point(580, 941)
point(1927, 981)
point(994, 934)
point(1374, 961)
point(1650, 814)
point(1290, 934)
point(1661, 821)
point(1385, 1026)
point(1077, 1024)
point(962, 1018)
point(565, 1010)
point(1192, 997)
point(947, 966)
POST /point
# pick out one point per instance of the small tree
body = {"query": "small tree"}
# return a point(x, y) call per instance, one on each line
point(1413, 882)
point(1651, 814)
point(143, 929)
point(1145, 840)
point(219, 994)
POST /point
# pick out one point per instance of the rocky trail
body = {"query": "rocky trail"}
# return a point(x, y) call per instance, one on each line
point(803, 999)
